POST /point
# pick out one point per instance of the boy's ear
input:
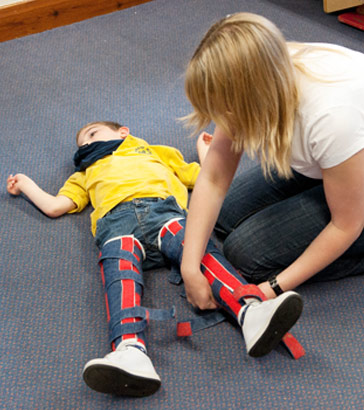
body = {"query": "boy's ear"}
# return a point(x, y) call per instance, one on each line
point(124, 132)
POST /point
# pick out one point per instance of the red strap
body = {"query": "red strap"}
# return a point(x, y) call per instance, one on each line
point(184, 329)
point(293, 346)
point(249, 291)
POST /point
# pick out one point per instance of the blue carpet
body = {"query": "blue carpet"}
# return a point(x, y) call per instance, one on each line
point(128, 66)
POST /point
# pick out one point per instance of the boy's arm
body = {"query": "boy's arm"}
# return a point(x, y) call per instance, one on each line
point(52, 206)
point(172, 158)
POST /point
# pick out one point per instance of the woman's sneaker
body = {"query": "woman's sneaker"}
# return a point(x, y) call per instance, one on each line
point(265, 323)
point(127, 371)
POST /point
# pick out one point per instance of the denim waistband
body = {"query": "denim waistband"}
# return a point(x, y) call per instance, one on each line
point(134, 202)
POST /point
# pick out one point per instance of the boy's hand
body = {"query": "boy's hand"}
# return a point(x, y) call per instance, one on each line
point(206, 137)
point(51, 205)
point(203, 145)
point(13, 184)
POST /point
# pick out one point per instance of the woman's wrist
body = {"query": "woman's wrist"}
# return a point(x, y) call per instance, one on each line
point(267, 290)
point(188, 272)
point(273, 283)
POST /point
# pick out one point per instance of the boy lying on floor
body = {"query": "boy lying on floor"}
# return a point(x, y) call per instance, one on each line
point(139, 193)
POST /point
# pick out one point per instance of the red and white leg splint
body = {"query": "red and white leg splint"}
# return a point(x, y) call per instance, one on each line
point(121, 271)
point(228, 286)
point(120, 262)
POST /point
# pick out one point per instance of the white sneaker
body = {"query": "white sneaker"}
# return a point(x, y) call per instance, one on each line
point(265, 323)
point(127, 371)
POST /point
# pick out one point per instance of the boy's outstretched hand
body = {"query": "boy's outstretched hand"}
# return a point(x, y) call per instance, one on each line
point(51, 205)
point(12, 184)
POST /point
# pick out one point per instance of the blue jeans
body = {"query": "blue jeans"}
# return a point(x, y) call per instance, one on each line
point(267, 224)
point(142, 218)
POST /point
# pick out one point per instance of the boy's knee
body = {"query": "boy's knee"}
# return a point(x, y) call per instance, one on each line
point(170, 239)
point(122, 258)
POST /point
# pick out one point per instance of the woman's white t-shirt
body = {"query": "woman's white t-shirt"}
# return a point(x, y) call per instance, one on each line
point(329, 126)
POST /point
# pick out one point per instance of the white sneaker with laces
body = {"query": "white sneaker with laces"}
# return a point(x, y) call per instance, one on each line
point(127, 371)
point(265, 323)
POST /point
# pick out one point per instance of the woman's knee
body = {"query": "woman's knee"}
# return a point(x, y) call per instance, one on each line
point(248, 257)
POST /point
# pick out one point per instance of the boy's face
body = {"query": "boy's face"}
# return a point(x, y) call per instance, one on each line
point(99, 132)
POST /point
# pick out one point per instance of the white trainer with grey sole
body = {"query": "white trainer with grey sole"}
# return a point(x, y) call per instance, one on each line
point(265, 323)
point(127, 371)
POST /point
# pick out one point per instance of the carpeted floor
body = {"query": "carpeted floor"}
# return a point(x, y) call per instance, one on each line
point(128, 66)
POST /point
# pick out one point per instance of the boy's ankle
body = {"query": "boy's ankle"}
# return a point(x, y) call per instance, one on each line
point(132, 342)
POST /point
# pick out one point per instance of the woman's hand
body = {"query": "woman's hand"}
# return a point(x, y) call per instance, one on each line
point(267, 290)
point(198, 291)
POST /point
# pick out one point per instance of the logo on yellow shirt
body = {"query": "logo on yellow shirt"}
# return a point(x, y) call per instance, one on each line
point(143, 150)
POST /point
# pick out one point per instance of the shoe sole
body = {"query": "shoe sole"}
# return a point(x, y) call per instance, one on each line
point(112, 380)
point(280, 323)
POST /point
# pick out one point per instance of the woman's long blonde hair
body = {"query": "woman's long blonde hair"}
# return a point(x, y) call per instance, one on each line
point(242, 78)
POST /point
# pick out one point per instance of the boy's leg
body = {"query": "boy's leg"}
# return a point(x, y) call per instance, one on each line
point(263, 323)
point(121, 275)
point(127, 370)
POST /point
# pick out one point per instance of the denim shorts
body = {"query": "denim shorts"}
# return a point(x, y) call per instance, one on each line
point(143, 218)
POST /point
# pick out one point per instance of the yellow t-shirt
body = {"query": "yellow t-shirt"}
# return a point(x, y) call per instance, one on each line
point(135, 170)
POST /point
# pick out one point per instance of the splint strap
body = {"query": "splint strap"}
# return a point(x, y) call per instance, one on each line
point(188, 327)
point(116, 329)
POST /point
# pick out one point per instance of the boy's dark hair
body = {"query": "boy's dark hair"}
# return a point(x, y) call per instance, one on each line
point(111, 124)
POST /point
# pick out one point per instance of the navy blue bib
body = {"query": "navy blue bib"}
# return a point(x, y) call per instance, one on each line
point(90, 153)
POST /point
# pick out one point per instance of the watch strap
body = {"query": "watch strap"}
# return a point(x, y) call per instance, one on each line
point(274, 285)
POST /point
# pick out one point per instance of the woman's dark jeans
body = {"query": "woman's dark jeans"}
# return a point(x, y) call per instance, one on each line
point(268, 223)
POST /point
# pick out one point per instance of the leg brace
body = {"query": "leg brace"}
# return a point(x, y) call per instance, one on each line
point(121, 271)
point(223, 278)
point(229, 288)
